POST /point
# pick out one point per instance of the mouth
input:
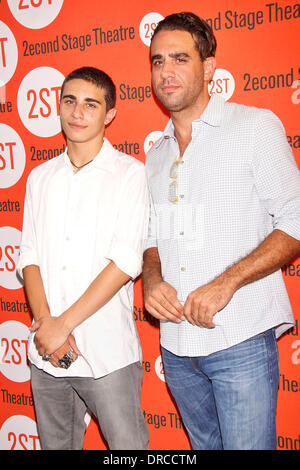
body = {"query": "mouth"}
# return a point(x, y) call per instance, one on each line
point(76, 126)
point(169, 88)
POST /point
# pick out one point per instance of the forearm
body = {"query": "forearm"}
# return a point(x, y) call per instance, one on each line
point(151, 268)
point(53, 332)
point(35, 292)
point(100, 291)
point(275, 251)
point(204, 302)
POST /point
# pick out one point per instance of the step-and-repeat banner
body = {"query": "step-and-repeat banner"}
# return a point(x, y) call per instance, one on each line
point(41, 41)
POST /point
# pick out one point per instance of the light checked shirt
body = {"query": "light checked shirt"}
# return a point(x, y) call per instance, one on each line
point(74, 225)
point(238, 181)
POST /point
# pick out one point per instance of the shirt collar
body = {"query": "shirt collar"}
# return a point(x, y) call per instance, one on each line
point(105, 159)
point(212, 115)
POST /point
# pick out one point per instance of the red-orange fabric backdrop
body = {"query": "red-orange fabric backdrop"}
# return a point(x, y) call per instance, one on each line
point(41, 41)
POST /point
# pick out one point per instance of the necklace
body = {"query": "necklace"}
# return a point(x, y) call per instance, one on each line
point(78, 167)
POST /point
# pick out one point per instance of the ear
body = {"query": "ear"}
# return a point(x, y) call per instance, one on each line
point(209, 68)
point(110, 116)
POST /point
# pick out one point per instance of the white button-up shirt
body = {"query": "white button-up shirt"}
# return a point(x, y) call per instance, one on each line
point(74, 225)
point(238, 181)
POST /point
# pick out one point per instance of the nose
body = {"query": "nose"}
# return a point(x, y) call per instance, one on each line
point(167, 69)
point(77, 110)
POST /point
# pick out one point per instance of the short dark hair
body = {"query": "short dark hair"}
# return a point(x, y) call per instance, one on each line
point(98, 78)
point(200, 30)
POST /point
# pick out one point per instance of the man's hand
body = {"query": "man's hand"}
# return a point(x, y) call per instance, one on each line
point(69, 345)
point(51, 334)
point(203, 303)
point(161, 302)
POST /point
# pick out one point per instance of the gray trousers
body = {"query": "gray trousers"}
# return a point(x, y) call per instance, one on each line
point(61, 404)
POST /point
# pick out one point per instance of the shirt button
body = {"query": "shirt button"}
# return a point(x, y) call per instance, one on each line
point(182, 269)
point(182, 196)
point(181, 233)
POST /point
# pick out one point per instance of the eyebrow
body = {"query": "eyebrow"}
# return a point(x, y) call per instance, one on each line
point(88, 100)
point(174, 55)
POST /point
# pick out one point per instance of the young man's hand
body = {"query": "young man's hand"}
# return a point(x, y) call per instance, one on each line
point(67, 347)
point(51, 334)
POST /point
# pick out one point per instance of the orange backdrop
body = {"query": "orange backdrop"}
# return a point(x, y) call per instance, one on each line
point(41, 41)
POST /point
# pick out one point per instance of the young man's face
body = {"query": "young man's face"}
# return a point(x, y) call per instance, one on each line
point(83, 111)
point(179, 77)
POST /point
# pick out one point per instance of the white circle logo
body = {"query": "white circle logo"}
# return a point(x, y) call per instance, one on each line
point(13, 351)
point(12, 156)
point(148, 25)
point(35, 14)
point(159, 369)
point(222, 84)
point(151, 139)
point(19, 433)
point(8, 54)
point(9, 253)
point(38, 101)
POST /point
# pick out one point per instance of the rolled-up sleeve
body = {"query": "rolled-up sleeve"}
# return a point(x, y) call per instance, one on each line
point(28, 247)
point(151, 241)
point(127, 245)
point(277, 176)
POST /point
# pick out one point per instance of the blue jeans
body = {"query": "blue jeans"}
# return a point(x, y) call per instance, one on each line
point(227, 400)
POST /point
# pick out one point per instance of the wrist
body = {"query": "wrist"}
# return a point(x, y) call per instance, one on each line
point(151, 283)
point(230, 279)
point(66, 320)
point(42, 313)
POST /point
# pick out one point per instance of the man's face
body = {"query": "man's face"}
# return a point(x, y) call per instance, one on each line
point(179, 77)
point(83, 111)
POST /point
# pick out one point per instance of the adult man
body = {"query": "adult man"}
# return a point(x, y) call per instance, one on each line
point(79, 254)
point(225, 216)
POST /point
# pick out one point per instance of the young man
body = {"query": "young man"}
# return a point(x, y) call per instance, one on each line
point(85, 218)
point(225, 216)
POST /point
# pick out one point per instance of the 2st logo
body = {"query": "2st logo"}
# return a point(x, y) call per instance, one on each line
point(22, 441)
point(43, 96)
point(159, 369)
point(13, 351)
point(35, 14)
point(10, 239)
point(38, 101)
point(8, 54)
point(222, 84)
point(148, 25)
point(8, 254)
point(151, 139)
point(295, 358)
point(24, 4)
point(19, 433)
point(12, 156)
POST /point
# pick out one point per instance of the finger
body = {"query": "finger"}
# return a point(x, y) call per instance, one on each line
point(167, 306)
point(188, 311)
point(173, 304)
point(73, 345)
point(161, 313)
point(169, 302)
point(205, 318)
point(168, 294)
point(54, 362)
point(35, 326)
point(166, 311)
point(41, 351)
